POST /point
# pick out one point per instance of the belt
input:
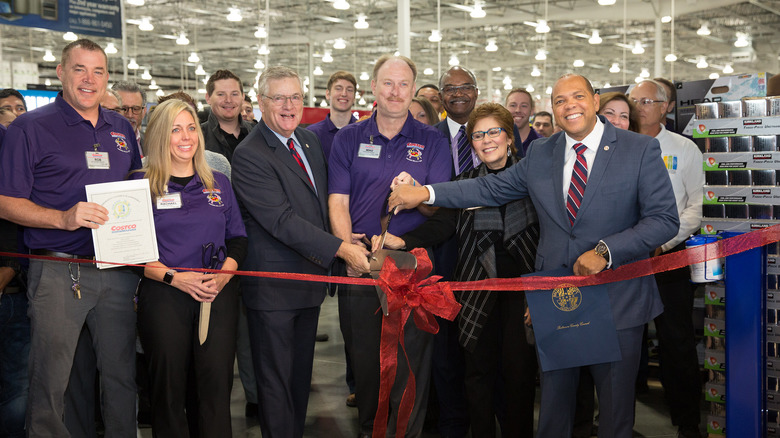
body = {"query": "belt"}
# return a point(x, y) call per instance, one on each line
point(62, 255)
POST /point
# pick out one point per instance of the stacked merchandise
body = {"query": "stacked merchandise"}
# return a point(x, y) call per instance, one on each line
point(715, 356)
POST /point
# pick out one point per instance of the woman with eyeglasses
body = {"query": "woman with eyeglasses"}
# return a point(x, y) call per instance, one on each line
point(619, 110)
point(198, 225)
point(492, 243)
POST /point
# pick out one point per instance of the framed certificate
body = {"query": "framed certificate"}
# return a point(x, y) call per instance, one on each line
point(129, 235)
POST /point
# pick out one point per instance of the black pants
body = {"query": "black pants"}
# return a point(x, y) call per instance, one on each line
point(502, 351)
point(677, 348)
point(168, 327)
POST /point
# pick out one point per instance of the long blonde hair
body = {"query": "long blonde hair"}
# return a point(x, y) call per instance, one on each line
point(157, 144)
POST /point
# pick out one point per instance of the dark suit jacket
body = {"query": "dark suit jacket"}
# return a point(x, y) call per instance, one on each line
point(286, 220)
point(628, 203)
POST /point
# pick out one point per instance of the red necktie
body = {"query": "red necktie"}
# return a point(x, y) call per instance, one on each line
point(298, 159)
point(579, 178)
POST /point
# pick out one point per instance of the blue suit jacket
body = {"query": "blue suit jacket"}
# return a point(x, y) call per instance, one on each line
point(628, 203)
point(286, 219)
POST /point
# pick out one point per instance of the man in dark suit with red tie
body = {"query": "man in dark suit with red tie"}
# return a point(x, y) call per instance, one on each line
point(280, 178)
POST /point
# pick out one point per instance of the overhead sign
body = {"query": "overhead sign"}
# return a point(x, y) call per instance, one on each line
point(85, 17)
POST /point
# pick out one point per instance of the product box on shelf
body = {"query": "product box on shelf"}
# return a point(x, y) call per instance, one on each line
point(715, 392)
point(716, 425)
point(741, 160)
point(715, 294)
point(714, 360)
point(702, 128)
point(723, 89)
point(715, 226)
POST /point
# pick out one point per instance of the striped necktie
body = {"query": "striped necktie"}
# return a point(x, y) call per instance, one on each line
point(298, 159)
point(579, 178)
point(464, 151)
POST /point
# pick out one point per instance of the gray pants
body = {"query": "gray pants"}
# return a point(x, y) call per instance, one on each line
point(57, 317)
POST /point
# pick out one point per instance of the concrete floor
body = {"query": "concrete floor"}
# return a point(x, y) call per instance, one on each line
point(329, 417)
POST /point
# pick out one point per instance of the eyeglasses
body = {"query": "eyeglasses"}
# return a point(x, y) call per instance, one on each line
point(492, 133)
point(116, 110)
point(279, 99)
point(135, 109)
point(646, 101)
point(452, 89)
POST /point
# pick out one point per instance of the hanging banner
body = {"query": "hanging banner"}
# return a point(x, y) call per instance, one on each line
point(83, 17)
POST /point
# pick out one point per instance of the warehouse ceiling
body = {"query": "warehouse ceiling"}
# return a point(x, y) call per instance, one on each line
point(301, 32)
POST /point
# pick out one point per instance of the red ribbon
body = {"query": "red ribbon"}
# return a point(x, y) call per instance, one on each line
point(408, 292)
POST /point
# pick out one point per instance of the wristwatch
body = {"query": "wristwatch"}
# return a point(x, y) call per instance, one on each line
point(168, 278)
point(602, 250)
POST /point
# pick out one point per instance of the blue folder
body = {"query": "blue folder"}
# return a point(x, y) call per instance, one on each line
point(573, 326)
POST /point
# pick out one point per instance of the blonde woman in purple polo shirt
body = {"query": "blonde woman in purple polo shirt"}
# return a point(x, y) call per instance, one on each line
point(198, 226)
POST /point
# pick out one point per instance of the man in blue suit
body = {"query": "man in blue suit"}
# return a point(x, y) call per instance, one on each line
point(625, 210)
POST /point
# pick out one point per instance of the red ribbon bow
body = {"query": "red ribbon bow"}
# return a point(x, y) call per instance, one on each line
point(407, 291)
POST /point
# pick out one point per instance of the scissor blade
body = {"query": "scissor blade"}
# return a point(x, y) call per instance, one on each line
point(203, 322)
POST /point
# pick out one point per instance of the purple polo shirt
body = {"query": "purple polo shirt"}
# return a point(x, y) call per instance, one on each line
point(419, 149)
point(43, 159)
point(2, 134)
point(326, 131)
point(204, 217)
point(533, 135)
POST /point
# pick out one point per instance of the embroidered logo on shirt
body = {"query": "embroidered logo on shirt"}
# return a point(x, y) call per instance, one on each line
point(121, 142)
point(671, 163)
point(414, 152)
point(215, 200)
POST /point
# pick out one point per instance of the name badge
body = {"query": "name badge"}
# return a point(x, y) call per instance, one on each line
point(169, 201)
point(97, 160)
point(368, 150)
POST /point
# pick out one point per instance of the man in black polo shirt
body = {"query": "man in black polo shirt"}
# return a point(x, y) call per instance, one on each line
point(225, 128)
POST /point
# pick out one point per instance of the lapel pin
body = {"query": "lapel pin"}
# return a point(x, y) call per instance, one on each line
point(606, 148)
point(307, 145)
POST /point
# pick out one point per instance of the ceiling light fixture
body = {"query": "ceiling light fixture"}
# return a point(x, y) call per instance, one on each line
point(323, 103)
point(542, 26)
point(491, 45)
point(638, 49)
point(364, 76)
point(507, 80)
point(48, 57)
point(194, 58)
point(182, 40)
point(638, 79)
point(530, 88)
point(496, 68)
point(427, 72)
point(535, 72)
point(70, 36)
point(327, 57)
point(702, 62)
point(728, 69)
point(645, 73)
point(453, 60)
point(606, 2)
point(132, 65)
point(670, 57)
point(595, 38)
point(199, 71)
point(548, 90)
point(234, 15)
point(477, 11)
point(135, 2)
point(435, 36)
point(703, 30)
point(341, 5)
point(317, 71)
point(578, 63)
point(110, 49)
point(607, 85)
point(615, 68)
point(153, 85)
point(541, 55)
point(508, 86)
point(263, 50)
point(339, 44)
point(361, 22)
point(714, 75)
point(742, 40)
point(160, 93)
point(666, 19)
point(146, 24)
point(261, 32)
point(362, 101)
point(47, 82)
point(146, 76)
point(259, 64)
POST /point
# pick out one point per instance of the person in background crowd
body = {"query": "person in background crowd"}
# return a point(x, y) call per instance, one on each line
point(491, 325)
point(247, 112)
point(13, 101)
point(671, 93)
point(423, 111)
point(543, 123)
point(624, 177)
point(288, 231)
point(674, 327)
point(431, 92)
point(133, 100)
point(14, 329)
point(365, 158)
point(6, 117)
point(224, 128)
point(520, 103)
point(200, 227)
point(621, 111)
point(112, 101)
point(340, 94)
point(44, 171)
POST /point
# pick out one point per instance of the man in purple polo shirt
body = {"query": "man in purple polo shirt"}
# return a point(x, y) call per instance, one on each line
point(341, 96)
point(365, 158)
point(48, 156)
